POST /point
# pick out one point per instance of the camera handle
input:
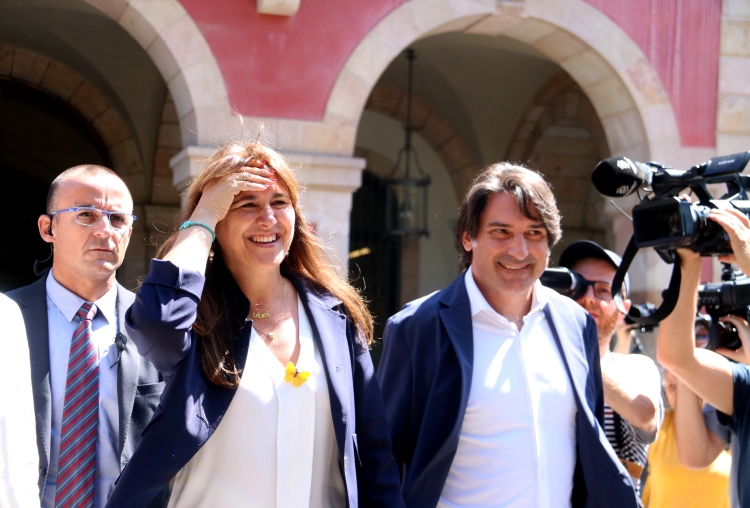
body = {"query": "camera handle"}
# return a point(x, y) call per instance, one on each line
point(669, 296)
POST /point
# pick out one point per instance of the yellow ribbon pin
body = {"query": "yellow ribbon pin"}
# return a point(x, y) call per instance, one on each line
point(294, 376)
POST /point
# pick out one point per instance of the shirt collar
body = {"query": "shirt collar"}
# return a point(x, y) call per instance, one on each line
point(479, 303)
point(68, 303)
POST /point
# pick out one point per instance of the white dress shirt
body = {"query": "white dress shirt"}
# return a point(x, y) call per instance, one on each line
point(517, 447)
point(62, 306)
point(276, 446)
point(19, 458)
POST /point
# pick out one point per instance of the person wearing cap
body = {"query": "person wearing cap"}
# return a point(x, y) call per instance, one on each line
point(684, 437)
point(633, 407)
point(701, 435)
point(492, 385)
point(722, 384)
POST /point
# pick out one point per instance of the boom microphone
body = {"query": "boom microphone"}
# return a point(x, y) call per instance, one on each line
point(619, 176)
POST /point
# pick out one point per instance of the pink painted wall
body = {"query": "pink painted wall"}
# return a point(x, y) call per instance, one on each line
point(286, 67)
point(282, 67)
point(681, 40)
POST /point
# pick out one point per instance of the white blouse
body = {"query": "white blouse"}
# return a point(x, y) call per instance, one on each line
point(276, 446)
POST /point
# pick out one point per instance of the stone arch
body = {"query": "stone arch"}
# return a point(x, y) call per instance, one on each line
point(86, 99)
point(178, 49)
point(561, 136)
point(560, 98)
point(610, 68)
point(453, 150)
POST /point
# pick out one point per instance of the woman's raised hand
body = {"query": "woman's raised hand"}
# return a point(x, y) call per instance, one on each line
point(193, 245)
point(219, 193)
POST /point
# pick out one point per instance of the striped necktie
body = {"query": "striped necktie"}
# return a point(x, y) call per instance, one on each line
point(76, 468)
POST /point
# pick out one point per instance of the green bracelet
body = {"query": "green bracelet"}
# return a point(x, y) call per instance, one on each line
point(189, 223)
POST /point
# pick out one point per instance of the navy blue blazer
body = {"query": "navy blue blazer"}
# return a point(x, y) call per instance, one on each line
point(425, 375)
point(160, 323)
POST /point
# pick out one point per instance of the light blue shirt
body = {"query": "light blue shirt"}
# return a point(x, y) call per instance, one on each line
point(62, 306)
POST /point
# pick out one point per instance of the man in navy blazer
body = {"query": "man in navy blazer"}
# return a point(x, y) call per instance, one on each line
point(492, 385)
point(88, 223)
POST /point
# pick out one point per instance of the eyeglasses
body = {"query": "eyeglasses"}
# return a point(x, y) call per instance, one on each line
point(701, 340)
point(602, 290)
point(88, 216)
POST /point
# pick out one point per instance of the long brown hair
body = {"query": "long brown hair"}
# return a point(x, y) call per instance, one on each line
point(307, 259)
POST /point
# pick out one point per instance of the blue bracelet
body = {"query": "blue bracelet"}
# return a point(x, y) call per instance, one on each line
point(189, 223)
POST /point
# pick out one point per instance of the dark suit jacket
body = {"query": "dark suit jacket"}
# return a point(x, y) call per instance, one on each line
point(139, 385)
point(425, 375)
point(191, 408)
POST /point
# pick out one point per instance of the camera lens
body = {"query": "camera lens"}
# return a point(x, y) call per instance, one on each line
point(673, 222)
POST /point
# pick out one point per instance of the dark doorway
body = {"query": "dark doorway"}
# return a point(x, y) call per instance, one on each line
point(374, 255)
point(40, 136)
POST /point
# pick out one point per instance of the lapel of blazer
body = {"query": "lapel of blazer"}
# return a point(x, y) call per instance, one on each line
point(556, 324)
point(128, 368)
point(560, 331)
point(329, 332)
point(33, 303)
point(456, 318)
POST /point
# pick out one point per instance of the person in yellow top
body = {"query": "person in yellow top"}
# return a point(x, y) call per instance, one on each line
point(670, 484)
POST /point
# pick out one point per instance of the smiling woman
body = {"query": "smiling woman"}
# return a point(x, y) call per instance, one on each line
point(266, 350)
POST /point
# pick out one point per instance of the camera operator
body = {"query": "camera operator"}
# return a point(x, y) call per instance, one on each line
point(670, 481)
point(710, 376)
point(633, 408)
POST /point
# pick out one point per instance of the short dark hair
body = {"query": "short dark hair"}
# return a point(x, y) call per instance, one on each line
point(533, 194)
point(91, 169)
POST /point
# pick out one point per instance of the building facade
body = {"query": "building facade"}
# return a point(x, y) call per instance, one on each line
point(150, 87)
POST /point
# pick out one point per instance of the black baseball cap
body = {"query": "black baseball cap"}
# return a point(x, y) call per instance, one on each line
point(584, 249)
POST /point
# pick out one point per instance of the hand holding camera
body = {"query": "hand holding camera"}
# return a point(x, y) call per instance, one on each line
point(737, 226)
point(742, 353)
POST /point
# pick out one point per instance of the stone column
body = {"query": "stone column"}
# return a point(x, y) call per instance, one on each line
point(733, 112)
point(328, 183)
point(186, 165)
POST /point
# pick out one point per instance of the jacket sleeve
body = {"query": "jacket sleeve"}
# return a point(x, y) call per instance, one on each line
point(396, 383)
point(378, 483)
point(165, 308)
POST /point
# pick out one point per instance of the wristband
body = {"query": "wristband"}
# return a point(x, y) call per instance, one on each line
point(189, 223)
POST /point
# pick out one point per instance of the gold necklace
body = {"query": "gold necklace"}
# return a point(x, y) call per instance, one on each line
point(263, 315)
point(272, 332)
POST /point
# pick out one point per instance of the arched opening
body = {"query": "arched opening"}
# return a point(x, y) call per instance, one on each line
point(479, 100)
point(40, 136)
point(84, 62)
point(375, 258)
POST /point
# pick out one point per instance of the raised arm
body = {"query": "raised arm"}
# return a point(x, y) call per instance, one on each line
point(165, 309)
point(706, 373)
point(697, 447)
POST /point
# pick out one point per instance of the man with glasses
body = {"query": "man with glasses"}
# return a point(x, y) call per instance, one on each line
point(93, 394)
point(632, 387)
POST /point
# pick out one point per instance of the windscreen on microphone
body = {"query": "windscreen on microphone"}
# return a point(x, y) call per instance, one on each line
point(619, 176)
